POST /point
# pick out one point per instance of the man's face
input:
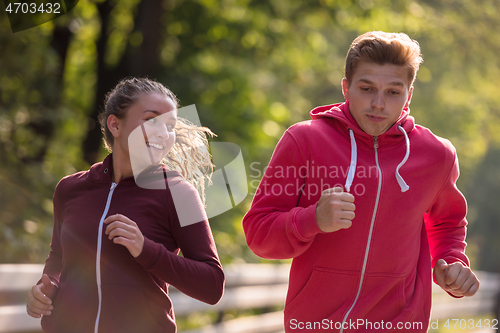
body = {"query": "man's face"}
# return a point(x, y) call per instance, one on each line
point(377, 95)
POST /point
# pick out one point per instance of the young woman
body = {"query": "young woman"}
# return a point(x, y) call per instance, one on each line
point(117, 231)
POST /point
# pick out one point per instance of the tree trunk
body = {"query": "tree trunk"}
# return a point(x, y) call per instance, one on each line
point(137, 61)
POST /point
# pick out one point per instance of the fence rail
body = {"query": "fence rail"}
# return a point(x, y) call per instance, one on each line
point(247, 286)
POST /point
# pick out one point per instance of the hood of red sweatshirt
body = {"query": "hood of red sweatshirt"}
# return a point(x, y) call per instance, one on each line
point(340, 112)
point(398, 132)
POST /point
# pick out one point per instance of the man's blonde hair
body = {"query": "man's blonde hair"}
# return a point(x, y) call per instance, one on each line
point(384, 48)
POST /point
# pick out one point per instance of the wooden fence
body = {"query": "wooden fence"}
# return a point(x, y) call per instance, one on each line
point(248, 286)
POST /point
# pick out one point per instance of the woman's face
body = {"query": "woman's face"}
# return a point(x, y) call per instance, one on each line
point(146, 133)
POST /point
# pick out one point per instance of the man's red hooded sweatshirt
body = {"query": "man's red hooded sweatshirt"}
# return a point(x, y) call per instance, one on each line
point(376, 275)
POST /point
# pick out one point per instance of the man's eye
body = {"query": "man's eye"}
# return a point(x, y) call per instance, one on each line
point(394, 92)
point(152, 120)
point(365, 88)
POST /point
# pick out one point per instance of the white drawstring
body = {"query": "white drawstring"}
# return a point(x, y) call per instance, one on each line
point(352, 167)
point(354, 156)
point(401, 182)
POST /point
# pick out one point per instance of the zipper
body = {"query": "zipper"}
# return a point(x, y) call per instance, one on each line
point(98, 255)
point(375, 145)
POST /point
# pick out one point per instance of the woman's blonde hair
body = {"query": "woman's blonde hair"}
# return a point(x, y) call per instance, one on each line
point(189, 154)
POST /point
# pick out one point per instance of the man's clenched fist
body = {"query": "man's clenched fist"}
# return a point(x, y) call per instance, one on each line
point(456, 278)
point(335, 210)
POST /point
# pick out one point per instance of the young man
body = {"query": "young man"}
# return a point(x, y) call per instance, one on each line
point(363, 216)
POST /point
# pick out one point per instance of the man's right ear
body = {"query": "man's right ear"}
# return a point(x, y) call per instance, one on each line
point(345, 89)
point(113, 124)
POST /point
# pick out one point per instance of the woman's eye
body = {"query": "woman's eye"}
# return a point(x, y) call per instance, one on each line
point(152, 120)
point(170, 128)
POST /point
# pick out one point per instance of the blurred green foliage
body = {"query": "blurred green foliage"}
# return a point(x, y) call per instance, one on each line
point(252, 68)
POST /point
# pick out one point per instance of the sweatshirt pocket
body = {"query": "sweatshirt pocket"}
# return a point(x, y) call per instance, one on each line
point(326, 295)
point(128, 309)
point(75, 308)
point(382, 298)
point(160, 307)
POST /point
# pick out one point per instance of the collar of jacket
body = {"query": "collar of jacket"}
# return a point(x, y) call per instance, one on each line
point(340, 112)
point(101, 172)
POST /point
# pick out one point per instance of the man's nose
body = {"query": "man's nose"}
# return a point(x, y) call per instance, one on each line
point(378, 101)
